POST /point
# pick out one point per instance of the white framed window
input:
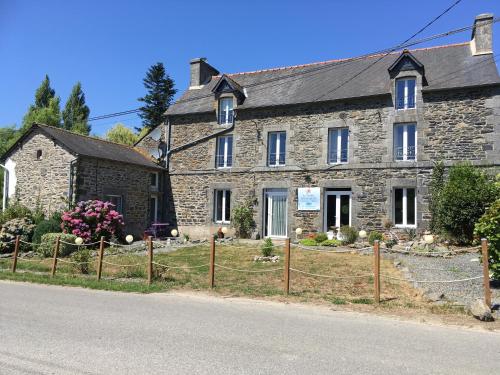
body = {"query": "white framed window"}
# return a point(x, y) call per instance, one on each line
point(154, 180)
point(222, 206)
point(405, 207)
point(406, 91)
point(224, 156)
point(405, 142)
point(117, 201)
point(276, 149)
point(225, 110)
point(338, 145)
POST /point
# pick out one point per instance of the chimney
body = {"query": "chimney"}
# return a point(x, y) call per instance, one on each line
point(482, 35)
point(201, 72)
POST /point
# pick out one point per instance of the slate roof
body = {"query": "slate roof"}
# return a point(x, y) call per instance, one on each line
point(88, 146)
point(446, 67)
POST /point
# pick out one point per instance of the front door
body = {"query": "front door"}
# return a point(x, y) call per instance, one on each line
point(276, 213)
point(337, 209)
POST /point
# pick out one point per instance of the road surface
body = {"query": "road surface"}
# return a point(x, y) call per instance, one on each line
point(56, 330)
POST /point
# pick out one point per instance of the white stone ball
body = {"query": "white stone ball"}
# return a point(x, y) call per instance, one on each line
point(174, 233)
point(129, 238)
point(298, 231)
point(362, 234)
point(78, 240)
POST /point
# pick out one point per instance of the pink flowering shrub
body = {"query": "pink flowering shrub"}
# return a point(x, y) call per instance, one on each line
point(92, 219)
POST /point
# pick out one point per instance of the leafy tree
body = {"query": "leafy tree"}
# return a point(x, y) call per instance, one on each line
point(121, 134)
point(435, 189)
point(242, 219)
point(160, 92)
point(489, 227)
point(76, 113)
point(46, 109)
point(463, 200)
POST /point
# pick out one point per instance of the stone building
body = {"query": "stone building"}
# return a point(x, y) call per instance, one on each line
point(52, 168)
point(341, 142)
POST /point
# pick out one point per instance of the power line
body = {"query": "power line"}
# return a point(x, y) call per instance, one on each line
point(328, 65)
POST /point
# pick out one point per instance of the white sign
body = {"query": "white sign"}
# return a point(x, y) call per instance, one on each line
point(309, 199)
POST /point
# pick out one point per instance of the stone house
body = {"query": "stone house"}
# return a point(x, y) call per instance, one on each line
point(52, 168)
point(341, 142)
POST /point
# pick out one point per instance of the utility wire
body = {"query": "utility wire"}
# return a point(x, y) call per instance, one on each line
point(323, 66)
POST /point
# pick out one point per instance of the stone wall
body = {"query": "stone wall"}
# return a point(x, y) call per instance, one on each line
point(42, 181)
point(98, 178)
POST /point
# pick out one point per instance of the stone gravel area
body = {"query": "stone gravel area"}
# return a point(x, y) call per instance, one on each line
point(449, 268)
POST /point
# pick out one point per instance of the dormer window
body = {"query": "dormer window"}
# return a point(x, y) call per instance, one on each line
point(225, 110)
point(406, 90)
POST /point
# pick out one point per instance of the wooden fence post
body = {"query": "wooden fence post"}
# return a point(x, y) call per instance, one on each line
point(56, 252)
point(150, 259)
point(16, 252)
point(287, 266)
point(376, 270)
point(486, 272)
point(101, 255)
point(211, 275)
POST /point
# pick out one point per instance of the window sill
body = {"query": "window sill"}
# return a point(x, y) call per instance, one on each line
point(222, 222)
point(339, 163)
point(401, 226)
point(223, 168)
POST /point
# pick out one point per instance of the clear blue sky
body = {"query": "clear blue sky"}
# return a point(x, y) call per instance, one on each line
point(109, 45)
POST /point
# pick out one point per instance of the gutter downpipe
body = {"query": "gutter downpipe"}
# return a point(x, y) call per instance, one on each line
point(71, 185)
point(5, 187)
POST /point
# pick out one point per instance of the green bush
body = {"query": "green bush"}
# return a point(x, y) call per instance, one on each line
point(242, 219)
point(267, 247)
point(82, 259)
point(15, 211)
point(23, 227)
point(45, 226)
point(308, 242)
point(374, 236)
point(320, 237)
point(462, 201)
point(489, 227)
point(390, 243)
point(331, 243)
point(48, 242)
point(349, 234)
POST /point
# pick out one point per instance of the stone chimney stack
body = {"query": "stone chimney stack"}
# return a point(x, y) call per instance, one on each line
point(482, 35)
point(201, 72)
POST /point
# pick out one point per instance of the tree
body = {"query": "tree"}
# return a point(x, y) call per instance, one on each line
point(435, 188)
point(46, 109)
point(160, 88)
point(121, 134)
point(76, 113)
point(8, 136)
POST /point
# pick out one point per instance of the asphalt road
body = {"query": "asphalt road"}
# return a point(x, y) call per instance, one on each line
point(55, 330)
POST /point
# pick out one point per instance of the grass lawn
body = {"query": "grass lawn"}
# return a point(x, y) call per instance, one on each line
point(187, 269)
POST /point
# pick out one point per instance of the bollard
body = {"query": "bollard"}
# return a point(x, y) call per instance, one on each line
point(101, 254)
point(56, 251)
point(211, 275)
point(287, 266)
point(376, 270)
point(486, 272)
point(150, 259)
point(16, 252)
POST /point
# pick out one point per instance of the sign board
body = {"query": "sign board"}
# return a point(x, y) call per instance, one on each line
point(309, 199)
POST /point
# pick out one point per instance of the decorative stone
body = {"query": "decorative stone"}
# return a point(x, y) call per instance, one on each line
point(481, 311)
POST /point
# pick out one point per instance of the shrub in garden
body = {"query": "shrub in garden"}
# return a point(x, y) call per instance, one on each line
point(92, 219)
point(332, 243)
point(15, 211)
point(45, 226)
point(374, 236)
point(23, 227)
point(267, 247)
point(308, 242)
point(48, 242)
point(462, 201)
point(349, 234)
point(82, 259)
point(489, 227)
point(242, 219)
point(321, 237)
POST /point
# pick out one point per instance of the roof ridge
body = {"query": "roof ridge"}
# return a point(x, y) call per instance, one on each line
point(87, 136)
point(336, 60)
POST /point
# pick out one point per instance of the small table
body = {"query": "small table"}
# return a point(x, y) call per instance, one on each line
point(160, 229)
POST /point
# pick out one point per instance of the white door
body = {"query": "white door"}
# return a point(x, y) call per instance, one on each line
point(337, 209)
point(276, 213)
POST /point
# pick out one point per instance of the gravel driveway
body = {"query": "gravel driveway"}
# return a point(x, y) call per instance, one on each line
point(456, 267)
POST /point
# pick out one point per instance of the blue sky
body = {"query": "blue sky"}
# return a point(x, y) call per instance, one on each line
point(109, 45)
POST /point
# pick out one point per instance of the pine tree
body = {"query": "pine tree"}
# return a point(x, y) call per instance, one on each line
point(76, 113)
point(46, 109)
point(160, 88)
